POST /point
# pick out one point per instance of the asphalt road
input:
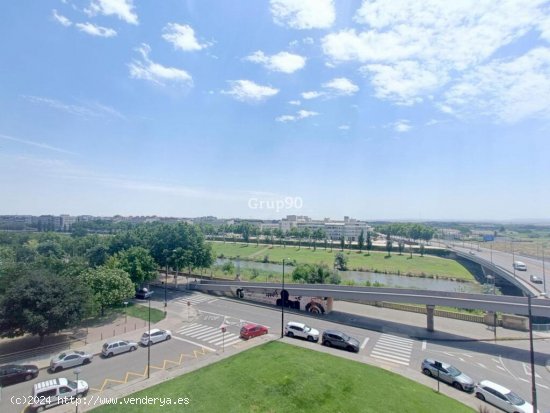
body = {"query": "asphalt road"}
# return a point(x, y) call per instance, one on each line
point(506, 363)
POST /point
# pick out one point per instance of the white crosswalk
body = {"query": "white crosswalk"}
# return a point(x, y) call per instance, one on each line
point(393, 349)
point(196, 298)
point(208, 334)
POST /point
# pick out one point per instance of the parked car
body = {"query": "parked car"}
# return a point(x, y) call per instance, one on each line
point(14, 373)
point(56, 391)
point(252, 330)
point(501, 397)
point(448, 373)
point(338, 339)
point(300, 330)
point(144, 293)
point(117, 347)
point(155, 336)
point(535, 279)
point(70, 359)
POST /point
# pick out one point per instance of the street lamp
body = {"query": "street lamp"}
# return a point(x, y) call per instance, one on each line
point(125, 312)
point(283, 296)
point(77, 372)
point(531, 350)
point(149, 342)
point(543, 270)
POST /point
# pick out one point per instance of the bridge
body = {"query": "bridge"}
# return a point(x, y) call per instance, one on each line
point(489, 303)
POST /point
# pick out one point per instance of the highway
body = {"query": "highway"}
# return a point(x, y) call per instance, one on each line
point(506, 363)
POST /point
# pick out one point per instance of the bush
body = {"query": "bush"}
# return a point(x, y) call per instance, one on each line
point(266, 259)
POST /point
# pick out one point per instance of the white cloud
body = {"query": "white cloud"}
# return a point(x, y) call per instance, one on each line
point(301, 114)
point(36, 144)
point(510, 90)
point(94, 30)
point(90, 110)
point(303, 14)
point(61, 19)
point(341, 86)
point(294, 102)
point(281, 62)
point(343, 127)
point(182, 37)
point(413, 49)
point(312, 94)
point(401, 126)
point(404, 82)
point(123, 9)
point(146, 69)
point(248, 91)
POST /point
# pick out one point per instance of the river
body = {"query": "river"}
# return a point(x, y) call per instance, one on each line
point(388, 280)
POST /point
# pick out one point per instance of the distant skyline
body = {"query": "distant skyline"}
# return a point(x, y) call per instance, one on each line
point(397, 110)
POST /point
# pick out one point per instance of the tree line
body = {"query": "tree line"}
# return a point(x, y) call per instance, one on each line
point(51, 281)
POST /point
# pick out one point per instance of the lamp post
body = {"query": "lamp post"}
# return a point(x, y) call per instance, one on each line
point(165, 284)
point(513, 257)
point(77, 372)
point(283, 302)
point(543, 270)
point(125, 312)
point(149, 342)
point(532, 352)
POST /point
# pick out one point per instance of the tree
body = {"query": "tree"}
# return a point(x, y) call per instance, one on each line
point(389, 244)
point(110, 286)
point(138, 263)
point(342, 242)
point(306, 233)
point(340, 261)
point(97, 255)
point(361, 241)
point(421, 250)
point(228, 268)
point(369, 242)
point(42, 303)
point(400, 246)
point(311, 273)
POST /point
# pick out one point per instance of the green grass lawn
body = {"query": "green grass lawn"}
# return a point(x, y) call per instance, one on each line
point(278, 377)
point(429, 266)
point(142, 312)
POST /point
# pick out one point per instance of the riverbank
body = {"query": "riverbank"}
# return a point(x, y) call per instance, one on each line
point(376, 262)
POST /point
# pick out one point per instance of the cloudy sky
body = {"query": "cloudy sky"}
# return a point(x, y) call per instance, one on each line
point(396, 109)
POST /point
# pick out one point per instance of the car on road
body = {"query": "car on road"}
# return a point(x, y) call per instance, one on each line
point(70, 359)
point(338, 339)
point(301, 330)
point(56, 391)
point(113, 348)
point(447, 373)
point(520, 266)
point(15, 373)
point(144, 294)
point(155, 336)
point(535, 279)
point(252, 330)
point(501, 397)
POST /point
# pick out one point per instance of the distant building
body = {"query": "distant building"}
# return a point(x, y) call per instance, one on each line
point(67, 222)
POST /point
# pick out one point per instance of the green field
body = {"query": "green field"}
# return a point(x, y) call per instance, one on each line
point(429, 266)
point(278, 377)
point(142, 312)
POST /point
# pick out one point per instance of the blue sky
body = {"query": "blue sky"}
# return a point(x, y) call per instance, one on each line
point(373, 109)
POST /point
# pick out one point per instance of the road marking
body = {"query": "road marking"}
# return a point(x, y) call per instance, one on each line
point(502, 362)
point(481, 365)
point(526, 381)
point(195, 344)
point(461, 359)
point(527, 370)
point(423, 345)
point(364, 343)
point(393, 348)
point(500, 367)
point(542, 385)
point(392, 360)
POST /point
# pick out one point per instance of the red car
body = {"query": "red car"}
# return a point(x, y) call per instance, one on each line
point(252, 330)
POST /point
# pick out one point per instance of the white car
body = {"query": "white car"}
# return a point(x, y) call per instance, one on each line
point(301, 330)
point(501, 397)
point(155, 336)
point(69, 359)
point(116, 347)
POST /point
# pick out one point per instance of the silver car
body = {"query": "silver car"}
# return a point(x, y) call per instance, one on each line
point(448, 373)
point(116, 347)
point(70, 359)
point(155, 336)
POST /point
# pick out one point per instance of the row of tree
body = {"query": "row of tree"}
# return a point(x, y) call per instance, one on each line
point(408, 230)
point(51, 281)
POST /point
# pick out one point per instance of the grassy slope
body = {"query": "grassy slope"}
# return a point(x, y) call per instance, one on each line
point(278, 377)
point(396, 264)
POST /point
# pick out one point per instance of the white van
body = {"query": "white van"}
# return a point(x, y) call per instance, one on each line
point(56, 391)
point(520, 266)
